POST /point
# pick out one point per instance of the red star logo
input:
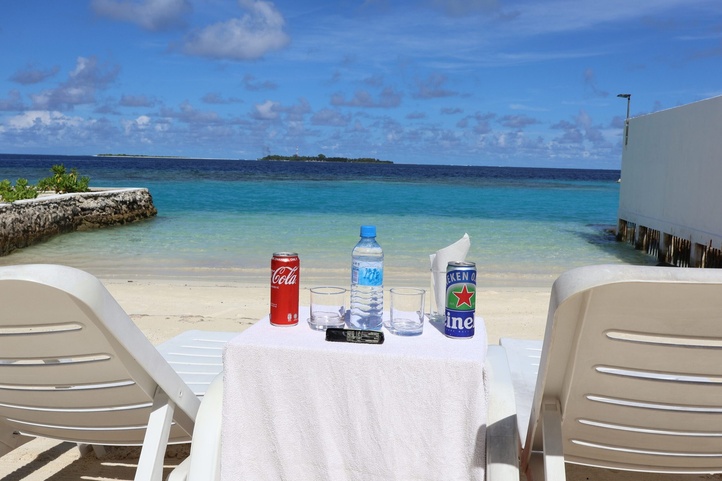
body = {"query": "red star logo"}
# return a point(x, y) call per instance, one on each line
point(463, 297)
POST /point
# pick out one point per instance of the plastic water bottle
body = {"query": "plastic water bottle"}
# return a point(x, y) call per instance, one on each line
point(367, 282)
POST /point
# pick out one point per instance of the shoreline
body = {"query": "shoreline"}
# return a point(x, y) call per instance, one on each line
point(260, 277)
point(163, 308)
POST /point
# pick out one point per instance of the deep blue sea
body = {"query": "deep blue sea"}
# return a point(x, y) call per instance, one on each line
point(223, 219)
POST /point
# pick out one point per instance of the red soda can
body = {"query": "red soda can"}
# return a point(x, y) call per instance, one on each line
point(285, 274)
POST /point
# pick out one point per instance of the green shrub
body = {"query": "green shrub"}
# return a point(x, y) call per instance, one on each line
point(21, 190)
point(62, 182)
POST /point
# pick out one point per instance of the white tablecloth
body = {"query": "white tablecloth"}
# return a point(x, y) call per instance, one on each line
point(296, 407)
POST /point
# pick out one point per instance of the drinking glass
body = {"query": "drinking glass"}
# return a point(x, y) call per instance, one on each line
point(328, 307)
point(407, 311)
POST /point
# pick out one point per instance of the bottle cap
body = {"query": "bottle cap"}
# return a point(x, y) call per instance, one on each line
point(368, 231)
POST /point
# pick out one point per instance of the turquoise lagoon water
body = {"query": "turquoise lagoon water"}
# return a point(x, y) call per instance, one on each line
point(223, 219)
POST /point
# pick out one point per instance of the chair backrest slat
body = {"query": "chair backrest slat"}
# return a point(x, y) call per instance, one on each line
point(634, 355)
point(74, 366)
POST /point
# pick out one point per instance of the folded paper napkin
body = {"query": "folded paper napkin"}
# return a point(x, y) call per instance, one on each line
point(456, 252)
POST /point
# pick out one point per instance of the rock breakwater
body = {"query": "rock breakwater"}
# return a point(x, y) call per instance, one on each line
point(27, 222)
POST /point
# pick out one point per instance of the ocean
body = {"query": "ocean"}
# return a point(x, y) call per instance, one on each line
point(223, 219)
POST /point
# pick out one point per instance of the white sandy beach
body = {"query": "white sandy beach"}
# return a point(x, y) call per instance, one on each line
point(164, 308)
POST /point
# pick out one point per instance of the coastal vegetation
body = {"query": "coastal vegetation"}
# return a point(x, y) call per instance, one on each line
point(322, 158)
point(21, 190)
point(61, 182)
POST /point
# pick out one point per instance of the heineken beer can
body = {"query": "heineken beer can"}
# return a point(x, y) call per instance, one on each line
point(460, 300)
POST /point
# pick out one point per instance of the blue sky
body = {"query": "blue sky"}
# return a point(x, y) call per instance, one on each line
point(473, 82)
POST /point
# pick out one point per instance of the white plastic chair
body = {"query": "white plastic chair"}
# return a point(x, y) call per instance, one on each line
point(204, 462)
point(74, 367)
point(629, 376)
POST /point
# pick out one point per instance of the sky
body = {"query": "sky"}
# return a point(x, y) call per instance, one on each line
point(530, 83)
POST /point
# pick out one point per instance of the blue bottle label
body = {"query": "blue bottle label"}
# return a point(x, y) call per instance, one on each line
point(368, 275)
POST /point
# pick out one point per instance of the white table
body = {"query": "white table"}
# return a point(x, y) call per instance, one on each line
point(296, 407)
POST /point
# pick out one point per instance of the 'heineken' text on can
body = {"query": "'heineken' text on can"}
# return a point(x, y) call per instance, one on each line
point(460, 300)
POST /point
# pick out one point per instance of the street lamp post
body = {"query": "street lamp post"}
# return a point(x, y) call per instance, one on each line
point(626, 122)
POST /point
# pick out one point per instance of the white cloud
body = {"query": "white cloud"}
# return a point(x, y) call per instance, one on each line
point(148, 14)
point(87, 77)
point(190, 115)
point(533, 18)
point(140, 123)
point(268, 110)
point(465, 7)
point(143, 120)
point(45, 118)
point(218, 99)
point(136, 101)
point(517, 121)
point(257, 32)
point(432, 87)
point(528, 108)
point(13, 102)
point(330, 117)
point(388, 98)
point(32, 74)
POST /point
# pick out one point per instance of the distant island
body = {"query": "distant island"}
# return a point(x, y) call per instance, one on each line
point(141, 156)
point(279, 158)
point(322, 158)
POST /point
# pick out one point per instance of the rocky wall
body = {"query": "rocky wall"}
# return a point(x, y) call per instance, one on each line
point(27, 222)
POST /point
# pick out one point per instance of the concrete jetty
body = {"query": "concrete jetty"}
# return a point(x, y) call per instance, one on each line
point(27, 222)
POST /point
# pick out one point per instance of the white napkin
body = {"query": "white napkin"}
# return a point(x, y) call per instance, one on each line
point(455, 252)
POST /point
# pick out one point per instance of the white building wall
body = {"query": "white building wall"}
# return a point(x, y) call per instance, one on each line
point(672, 172)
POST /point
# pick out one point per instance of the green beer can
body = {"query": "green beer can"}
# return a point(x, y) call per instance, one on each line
point(460, 300)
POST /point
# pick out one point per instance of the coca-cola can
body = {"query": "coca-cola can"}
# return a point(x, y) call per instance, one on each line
point(285, 275)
